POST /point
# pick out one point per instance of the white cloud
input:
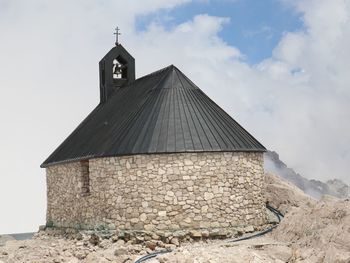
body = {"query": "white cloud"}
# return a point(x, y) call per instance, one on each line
point(296, 102)
point(320, 93)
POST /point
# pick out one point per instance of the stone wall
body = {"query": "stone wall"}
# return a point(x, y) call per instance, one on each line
point(154, 192)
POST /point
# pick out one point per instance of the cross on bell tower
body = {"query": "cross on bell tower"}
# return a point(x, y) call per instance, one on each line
point(117, 34)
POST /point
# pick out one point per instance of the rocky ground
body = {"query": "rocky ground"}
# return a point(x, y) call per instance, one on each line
point(321, 230)
point(312, 231)
point(44, 249)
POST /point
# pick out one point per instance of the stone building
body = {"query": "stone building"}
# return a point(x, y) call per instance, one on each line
point(156, 154)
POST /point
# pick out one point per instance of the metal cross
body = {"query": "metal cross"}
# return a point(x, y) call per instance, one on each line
point(116, 33)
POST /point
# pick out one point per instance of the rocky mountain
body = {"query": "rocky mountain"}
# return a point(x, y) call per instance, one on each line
point(315, 188)
point(339, 186)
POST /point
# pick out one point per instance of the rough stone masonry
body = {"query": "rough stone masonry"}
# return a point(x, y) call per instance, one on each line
point(159, 192)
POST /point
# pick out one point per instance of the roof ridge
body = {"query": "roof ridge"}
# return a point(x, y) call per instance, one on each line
point(156, 72)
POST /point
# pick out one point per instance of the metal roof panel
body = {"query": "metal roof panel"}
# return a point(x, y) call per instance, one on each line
point(163, 112)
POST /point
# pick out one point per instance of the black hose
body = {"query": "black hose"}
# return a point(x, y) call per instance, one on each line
point(273, 210)
point(152, 255)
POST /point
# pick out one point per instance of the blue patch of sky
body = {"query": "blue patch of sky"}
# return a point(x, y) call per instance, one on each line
point(255, 27)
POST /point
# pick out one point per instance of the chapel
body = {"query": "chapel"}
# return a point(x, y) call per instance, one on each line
point(156, 154)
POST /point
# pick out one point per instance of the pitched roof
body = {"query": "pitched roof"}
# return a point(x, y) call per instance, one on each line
point(163, 112)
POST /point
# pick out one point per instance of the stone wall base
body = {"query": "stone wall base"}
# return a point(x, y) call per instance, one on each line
point(140, 236)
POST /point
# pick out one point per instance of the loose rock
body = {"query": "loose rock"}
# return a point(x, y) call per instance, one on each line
point(120, 251)
point(94, 239)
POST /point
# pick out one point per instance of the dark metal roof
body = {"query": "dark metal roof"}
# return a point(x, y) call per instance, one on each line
point(163, 112)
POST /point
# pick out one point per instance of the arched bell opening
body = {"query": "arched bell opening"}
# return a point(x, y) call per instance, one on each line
point(120, 69)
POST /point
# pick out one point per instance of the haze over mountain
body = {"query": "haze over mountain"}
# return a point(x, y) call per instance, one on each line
point(315, 188)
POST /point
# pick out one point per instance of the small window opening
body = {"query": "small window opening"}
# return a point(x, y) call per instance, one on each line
point(119, 68)
point(85, 178)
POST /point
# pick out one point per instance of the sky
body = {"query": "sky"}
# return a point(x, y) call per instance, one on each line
point(279, 67)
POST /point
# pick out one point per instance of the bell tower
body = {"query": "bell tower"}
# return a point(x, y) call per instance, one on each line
point(117, 69)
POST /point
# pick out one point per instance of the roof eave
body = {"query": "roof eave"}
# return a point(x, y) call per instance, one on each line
point(88, 157)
